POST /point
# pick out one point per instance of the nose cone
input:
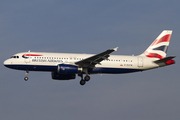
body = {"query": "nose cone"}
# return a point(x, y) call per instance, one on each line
point(7, 62)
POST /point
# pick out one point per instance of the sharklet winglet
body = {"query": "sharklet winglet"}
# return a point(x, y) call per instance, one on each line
point(115, 49)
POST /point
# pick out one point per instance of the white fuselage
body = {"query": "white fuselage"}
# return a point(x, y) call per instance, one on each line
point(41, 61)
point(65, 66)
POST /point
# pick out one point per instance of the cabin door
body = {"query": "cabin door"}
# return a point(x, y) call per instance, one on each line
point(140, 62)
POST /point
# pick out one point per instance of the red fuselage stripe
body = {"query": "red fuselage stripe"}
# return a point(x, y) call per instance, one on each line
point(31, 55)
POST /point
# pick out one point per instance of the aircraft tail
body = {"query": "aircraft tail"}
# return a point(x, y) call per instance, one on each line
point(158, 48)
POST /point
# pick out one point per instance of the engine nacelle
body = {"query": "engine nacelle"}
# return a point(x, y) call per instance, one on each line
point(68, 69)
point(57, 76)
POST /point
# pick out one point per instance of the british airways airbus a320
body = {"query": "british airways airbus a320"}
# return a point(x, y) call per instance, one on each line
point(65, 66)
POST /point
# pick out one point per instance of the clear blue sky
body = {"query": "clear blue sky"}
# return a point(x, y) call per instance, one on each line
point(82, 26)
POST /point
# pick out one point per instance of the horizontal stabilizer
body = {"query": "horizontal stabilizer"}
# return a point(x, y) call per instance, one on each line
point(164, 60)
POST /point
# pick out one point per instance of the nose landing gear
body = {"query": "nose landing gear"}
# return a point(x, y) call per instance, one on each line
point(26, 78)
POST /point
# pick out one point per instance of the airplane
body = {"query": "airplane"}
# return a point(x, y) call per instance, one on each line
point(65, 66)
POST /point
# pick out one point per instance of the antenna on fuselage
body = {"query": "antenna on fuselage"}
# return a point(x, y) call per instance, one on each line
point(29, 51)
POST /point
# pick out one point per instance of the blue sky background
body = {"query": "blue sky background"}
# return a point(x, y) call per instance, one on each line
point(83, 26)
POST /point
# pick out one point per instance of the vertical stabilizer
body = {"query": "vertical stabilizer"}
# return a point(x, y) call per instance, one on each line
point(158, 48)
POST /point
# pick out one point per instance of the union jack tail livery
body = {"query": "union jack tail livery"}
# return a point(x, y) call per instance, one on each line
point(158, 48)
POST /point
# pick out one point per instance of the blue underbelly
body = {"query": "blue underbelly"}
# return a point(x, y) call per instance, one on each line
point(114, 70)
point(54, 68)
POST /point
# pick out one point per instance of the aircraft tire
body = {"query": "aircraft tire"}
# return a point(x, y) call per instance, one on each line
point(87, 78)
point(25, 78)
point(82, 82)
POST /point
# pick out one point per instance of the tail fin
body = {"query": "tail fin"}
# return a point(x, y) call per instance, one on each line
point(158, 48)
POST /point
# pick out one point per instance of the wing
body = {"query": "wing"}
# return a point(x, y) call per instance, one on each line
point(96, 59)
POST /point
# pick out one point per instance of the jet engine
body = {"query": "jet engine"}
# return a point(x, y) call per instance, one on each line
point(57, 76)
point(68, 69)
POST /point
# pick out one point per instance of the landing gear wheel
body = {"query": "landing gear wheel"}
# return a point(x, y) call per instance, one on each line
point(25, 78)
point(87, 78)
point(82, 82)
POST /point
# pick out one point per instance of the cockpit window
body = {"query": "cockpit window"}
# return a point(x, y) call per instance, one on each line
point(15, 57)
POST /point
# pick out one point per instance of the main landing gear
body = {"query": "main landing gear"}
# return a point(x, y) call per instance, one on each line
point(26, 78)
point(83, 81)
